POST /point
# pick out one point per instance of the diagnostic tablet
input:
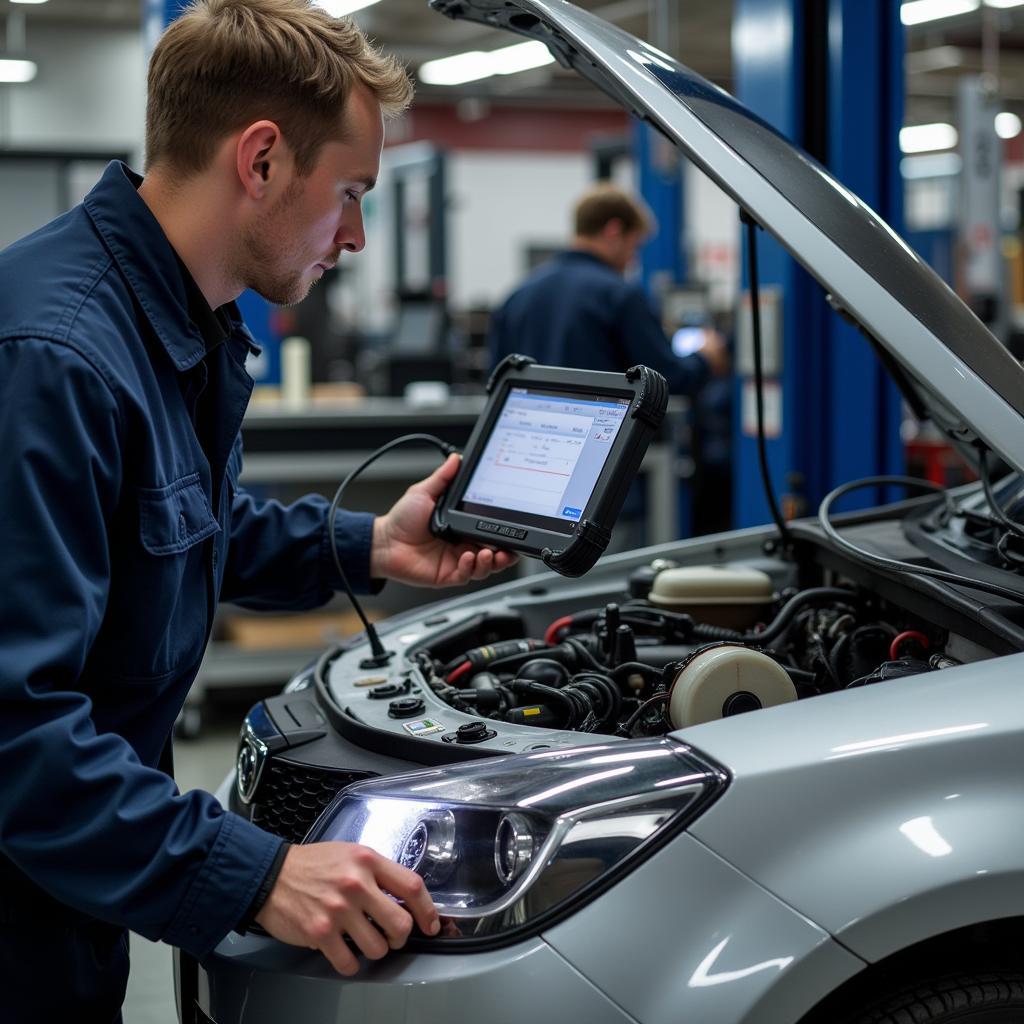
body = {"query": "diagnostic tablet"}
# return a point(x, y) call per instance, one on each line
point(550, 460)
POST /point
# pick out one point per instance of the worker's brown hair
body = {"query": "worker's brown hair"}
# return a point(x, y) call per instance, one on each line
point(605, 202)
point(225, 64)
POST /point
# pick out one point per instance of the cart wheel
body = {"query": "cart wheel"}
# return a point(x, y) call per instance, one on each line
point(957, 999)
point(189, 723)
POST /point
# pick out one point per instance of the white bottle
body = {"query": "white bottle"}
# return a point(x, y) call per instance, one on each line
point(295, 373)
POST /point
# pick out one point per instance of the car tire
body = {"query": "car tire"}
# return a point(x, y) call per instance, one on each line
point(957, 999)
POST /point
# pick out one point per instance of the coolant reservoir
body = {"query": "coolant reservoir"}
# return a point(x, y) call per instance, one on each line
point(725, 680)
point(717, 594)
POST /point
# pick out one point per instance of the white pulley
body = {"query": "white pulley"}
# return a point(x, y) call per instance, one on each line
point(726, 680)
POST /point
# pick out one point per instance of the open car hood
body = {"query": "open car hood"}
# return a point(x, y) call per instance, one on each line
point(949, 366)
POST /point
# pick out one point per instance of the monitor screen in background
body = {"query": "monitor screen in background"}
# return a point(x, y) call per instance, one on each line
point(687, 340)
point(419, 329)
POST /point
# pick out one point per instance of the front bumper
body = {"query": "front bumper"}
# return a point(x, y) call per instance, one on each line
point(684, 938)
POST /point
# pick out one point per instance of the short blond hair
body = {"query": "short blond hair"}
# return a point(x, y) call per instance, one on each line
point(225, 64)
point(605, 202)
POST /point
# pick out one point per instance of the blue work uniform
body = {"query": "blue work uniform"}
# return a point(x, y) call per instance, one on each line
point(123, 524)
point(576, 310)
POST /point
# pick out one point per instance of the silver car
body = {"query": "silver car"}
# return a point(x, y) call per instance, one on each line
point(737, 779)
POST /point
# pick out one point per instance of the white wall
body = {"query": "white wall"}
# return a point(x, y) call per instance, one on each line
point(713, 238)
point(501, 203)
point(90, 92)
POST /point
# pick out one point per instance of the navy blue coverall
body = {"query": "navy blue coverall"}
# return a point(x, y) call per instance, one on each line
point(119, 533)
point(576, 310)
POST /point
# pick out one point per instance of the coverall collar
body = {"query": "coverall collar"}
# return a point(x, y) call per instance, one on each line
point(147, 261)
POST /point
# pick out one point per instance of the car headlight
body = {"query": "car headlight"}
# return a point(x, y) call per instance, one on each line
point(510, 844)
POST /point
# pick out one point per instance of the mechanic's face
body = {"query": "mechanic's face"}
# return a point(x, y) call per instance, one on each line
point(318, 217)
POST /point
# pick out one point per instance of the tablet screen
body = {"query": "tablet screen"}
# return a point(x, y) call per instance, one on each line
point(544, 455)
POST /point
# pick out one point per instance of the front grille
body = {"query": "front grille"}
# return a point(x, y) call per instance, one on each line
point(291, 796)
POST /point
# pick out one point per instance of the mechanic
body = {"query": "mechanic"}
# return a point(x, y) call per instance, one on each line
point(122, 388)
point(579, 309)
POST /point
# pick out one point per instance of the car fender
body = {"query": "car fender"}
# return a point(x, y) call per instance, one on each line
point(888, 814)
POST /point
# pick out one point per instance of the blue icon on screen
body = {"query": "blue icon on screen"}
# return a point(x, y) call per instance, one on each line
point(572, 513)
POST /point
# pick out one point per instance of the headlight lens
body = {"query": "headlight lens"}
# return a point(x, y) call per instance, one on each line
point(509, 843)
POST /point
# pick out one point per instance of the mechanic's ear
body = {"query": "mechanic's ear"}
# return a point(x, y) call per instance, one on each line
point(259, 157)
point(614, 228)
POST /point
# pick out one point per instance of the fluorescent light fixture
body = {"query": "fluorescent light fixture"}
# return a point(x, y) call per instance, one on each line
point(924, 138)
point(915, 12)
point(28, 1)
point(335, 8)
point(1008, 125)
point(1003, 3)
point(17, 70)
point(931, 165)
point(476, 64)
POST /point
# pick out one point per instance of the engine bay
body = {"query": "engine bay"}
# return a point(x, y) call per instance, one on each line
point(648, 643)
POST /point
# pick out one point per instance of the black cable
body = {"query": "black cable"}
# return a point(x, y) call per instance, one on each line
point(381, 656)
point(626, 728)
point(990, 497)
point(781, 622)
point(892, 564)
point(755, 315)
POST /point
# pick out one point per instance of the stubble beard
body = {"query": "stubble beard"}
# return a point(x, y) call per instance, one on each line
point(264, 253)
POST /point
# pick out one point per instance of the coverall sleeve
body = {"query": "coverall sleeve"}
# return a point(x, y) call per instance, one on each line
point(80, 815)
point(643, 341)
point(279, 556)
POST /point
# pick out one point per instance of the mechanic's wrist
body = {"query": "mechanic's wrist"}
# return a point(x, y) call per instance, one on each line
point(379, 549)
point(263, 892)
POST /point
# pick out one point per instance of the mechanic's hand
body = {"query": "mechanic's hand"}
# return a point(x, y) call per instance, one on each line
point(328, 890)
point(715, 351)
point(404, 549)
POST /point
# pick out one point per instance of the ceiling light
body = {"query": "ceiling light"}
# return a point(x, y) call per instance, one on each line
point(1008, 125)
point(28, 1)
point(335, 8)
point(924, 138)
point(476, 64)
point(1003, 3)
point(17, 70)
point(914, 12)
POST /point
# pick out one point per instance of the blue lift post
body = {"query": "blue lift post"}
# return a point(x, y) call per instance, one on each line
point(257, 312)
point(659, 174)
point(828, 74)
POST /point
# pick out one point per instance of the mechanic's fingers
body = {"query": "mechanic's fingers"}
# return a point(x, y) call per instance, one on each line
point(365, 935)
point(407, 886)
point(503, 559)
point(341, 958)
point(391, 918)
point(484, 565)
point(464, 566)
point(435, 484)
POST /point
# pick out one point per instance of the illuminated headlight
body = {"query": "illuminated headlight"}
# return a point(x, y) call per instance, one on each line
point(510, 844)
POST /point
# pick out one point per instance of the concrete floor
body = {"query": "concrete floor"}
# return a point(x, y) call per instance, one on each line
point(199, 764)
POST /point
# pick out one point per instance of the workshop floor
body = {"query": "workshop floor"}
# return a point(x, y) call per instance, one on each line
point(199, 763)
